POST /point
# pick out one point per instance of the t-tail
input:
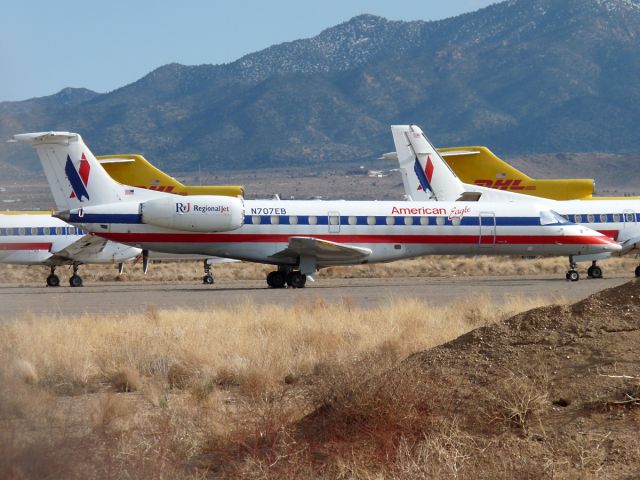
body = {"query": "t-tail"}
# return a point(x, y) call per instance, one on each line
point(424, 172)
point(75, 176)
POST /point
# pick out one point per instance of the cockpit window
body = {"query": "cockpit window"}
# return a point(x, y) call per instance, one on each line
point(549, 217)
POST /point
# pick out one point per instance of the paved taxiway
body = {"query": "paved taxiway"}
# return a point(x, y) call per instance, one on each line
point(109, 297)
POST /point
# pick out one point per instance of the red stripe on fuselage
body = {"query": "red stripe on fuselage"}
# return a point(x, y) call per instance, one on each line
point(612, 234)
point(25, 246)
point(406, 239)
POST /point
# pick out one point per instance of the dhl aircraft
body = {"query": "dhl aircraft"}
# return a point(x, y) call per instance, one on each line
point(426, 176)
point(299, 237)
point(135, 170)
point(480, 166)
point(36, 238)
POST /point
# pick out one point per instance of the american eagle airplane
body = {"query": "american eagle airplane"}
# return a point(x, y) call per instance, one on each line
point(299, 237)
point(426, 176)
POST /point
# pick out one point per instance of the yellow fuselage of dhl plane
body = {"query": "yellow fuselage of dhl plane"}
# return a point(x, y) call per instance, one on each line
point(135, 170)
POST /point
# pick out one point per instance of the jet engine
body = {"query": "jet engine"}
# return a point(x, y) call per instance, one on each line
point(199, 213)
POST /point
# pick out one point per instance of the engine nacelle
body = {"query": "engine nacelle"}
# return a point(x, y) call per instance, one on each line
point(199, 213)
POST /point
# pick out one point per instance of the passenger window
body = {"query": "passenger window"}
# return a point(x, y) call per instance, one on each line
point(334, 220)
point(391, 220)
point(591, 218)
point(293, 220)
point(616, 217)
point(603, 218)
point(424, 220)
point(628, 217)
point(371, 220)
point(34, 231)
point(408, 220)
point(353, 220)
point(439, 220)
point(578, 218)
point(313, 220)
point(275, 220)
point(21, 231)
point(455, 221)
point(46, 230)
point(256, 219)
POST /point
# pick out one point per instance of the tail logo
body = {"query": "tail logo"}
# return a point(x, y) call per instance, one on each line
point(424, 176)
point(78, 179)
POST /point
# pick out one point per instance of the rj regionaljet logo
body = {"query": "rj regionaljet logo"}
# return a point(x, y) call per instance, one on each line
point(78, 179)
point(424, 176)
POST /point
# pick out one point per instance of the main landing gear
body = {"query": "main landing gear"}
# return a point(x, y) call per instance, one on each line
point(572, 275)
point(54, 281)
point(594, 271)
point(75, 280)
point(208, 274)
point(286, 277)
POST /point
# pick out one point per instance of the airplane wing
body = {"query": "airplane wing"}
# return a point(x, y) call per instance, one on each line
point(87, 245)
point(323, 251)
point(630, 244)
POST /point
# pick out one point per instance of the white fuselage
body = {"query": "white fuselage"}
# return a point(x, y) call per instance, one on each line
point(391, 230)
point(34, 239)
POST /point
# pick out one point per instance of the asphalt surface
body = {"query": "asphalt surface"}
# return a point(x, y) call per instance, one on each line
point(110, 297)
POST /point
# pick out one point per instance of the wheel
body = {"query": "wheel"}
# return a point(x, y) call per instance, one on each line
point(566, 275)
point(590, 272)
point(207, 279)
point(638, 271)
point(276, 279)
point(573, 275)
point(53, 281)
point(75, 281)
point(298, 280)
point(596, 272)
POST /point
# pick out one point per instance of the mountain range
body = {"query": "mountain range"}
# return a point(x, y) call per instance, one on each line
point(521, 76)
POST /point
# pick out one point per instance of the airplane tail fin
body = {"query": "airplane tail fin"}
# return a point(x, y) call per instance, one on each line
point(423, 169)
point(75, 177)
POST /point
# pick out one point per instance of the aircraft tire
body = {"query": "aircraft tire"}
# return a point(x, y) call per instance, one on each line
point(596, 272)
point(276, 279)
point(75, 281)
point(53, 281)
point(573, 275)
point(207, 280)
point(298, 280)
point(638, 271)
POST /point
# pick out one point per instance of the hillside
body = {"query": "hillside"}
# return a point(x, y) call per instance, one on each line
point(522, 76)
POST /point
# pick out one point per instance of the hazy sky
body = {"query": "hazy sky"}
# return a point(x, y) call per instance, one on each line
point(48, 45)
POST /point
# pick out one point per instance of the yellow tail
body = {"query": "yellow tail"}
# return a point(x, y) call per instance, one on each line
point(480, 166)
point(135, 170)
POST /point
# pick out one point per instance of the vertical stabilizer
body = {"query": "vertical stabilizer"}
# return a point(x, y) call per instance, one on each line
point(423, 169)
point(75, 177)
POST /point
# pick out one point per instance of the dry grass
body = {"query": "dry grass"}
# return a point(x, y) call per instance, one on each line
point(179, 393)
point(419, 267)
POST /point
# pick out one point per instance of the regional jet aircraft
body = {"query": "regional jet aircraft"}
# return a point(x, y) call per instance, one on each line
point(426, 176)
point(299, 237)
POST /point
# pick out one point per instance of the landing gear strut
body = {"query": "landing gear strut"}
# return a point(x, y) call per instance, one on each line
point(75, 280)
point(572, 275)
point(208, 274)
point(594, 271)
point(53, 280)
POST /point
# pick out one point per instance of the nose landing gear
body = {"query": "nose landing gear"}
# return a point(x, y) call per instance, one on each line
point(572, 275)
point(208, 274)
